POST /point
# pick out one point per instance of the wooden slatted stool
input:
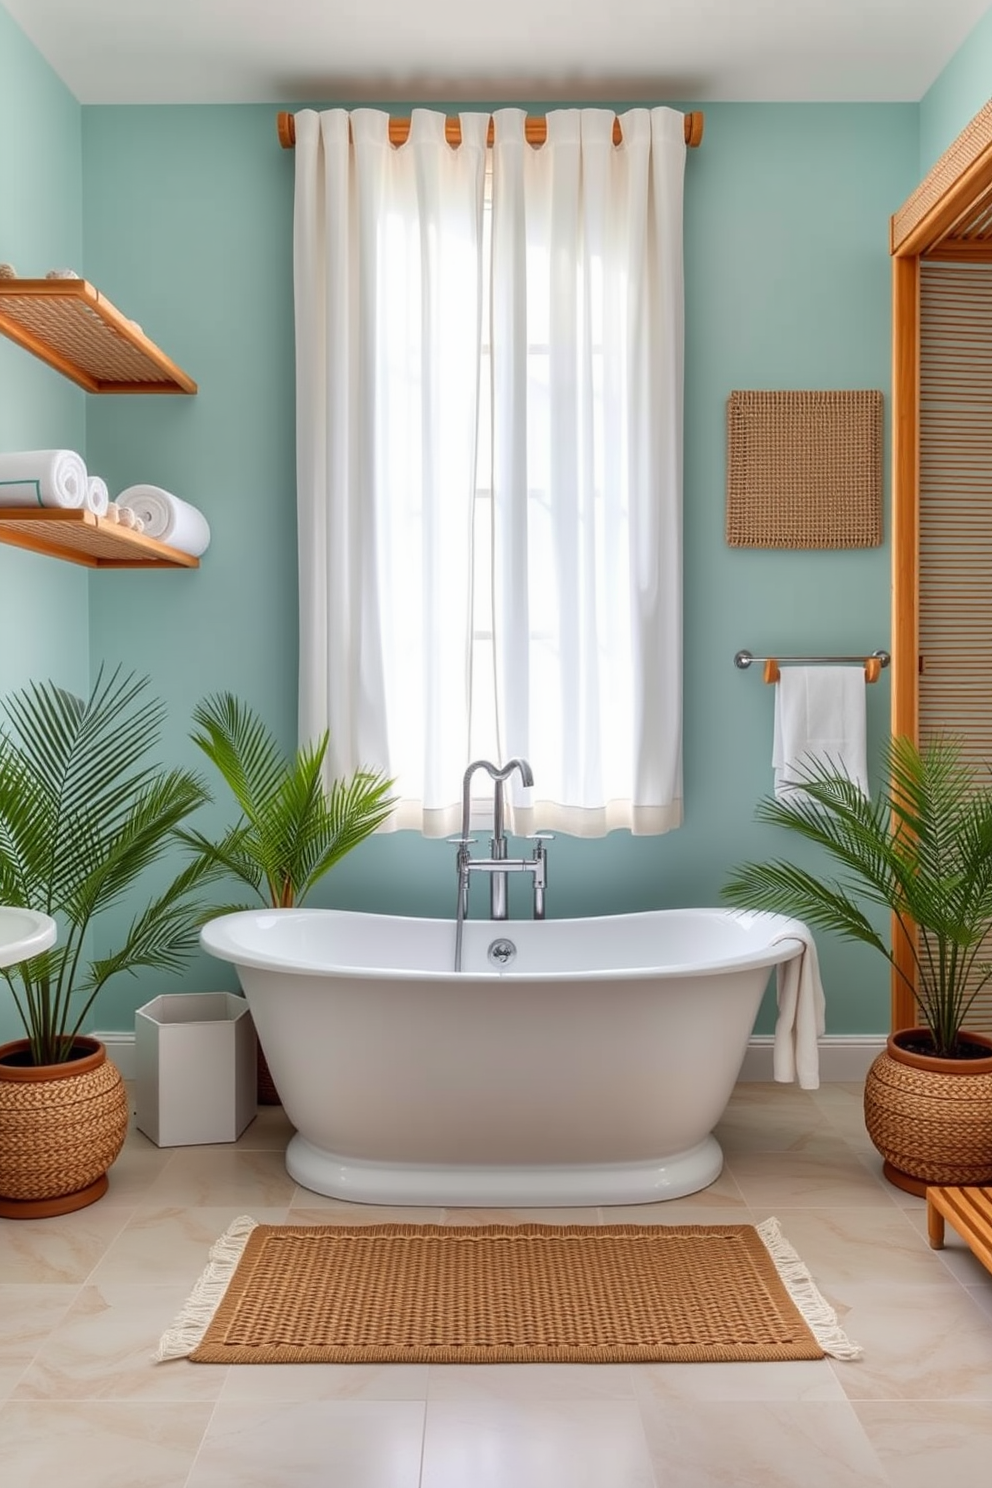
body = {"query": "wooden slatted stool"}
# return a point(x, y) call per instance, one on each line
point(969, 1210)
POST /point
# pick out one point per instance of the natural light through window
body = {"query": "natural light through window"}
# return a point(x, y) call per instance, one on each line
point(489, 459)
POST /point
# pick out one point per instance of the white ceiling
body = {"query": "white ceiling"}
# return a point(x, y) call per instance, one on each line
point(227, 51)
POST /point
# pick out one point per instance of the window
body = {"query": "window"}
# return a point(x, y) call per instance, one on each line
point(489, 459)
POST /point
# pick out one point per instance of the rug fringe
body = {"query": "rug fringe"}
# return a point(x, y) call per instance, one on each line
point(816, 1310)
point(179, 1341)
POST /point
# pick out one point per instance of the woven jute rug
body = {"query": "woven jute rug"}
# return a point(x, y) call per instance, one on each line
point(497, 1294)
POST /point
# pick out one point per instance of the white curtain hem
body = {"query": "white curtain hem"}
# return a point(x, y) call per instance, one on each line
point(543, 816)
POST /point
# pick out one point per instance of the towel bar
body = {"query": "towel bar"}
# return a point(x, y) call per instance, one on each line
point(872, 664)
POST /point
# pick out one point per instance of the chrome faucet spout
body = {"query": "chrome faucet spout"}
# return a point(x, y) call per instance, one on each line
point(498, 775)
point(497, 883)
point(498, 864)
point(490, 770)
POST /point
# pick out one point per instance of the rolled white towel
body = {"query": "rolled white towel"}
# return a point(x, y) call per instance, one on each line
point(97, 495)
point(113, 512)
point(42, 478)
point(168, 518)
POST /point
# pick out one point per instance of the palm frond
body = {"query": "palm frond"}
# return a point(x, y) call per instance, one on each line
point(231, 856)
point(355, 809)
point(923, 850)
point(27, 815)
point(205, 912)
point(782, 888)
point(292, 830)
point(84, 814)
point(238, 743)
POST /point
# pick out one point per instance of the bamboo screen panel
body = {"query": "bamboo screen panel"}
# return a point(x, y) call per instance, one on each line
point(956, 517)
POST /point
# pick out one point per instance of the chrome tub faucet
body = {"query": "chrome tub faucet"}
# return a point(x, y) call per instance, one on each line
point(498, 864)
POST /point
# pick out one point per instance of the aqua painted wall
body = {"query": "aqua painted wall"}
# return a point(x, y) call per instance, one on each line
point(205, 267)
point(183, 217)
point(44, 624)
point(43, 606)
point(963, 87)
point(187, 223)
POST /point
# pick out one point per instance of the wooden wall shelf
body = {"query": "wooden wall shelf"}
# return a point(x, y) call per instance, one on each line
point(81, 537)
point(72, 327)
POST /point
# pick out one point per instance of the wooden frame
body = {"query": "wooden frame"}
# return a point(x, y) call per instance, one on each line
point(969, 1210)
point(80, 536)
point(75, 329)
point(948, 217)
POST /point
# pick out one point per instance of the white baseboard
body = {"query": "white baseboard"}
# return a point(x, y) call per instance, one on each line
point(842, 1056)
point(120, 1048)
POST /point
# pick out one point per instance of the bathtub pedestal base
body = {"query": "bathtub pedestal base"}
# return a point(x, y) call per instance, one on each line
point(454, 1186)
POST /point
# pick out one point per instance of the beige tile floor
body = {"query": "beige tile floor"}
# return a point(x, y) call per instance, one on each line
point(83, 1300)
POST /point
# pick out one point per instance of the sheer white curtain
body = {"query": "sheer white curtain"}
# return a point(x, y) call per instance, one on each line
point(587, 339)
point(581, 431)
point(388, 315)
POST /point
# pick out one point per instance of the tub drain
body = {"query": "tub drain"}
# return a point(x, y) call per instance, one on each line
point(501, 952)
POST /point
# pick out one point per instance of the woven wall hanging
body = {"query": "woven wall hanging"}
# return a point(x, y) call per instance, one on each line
point(804, 469)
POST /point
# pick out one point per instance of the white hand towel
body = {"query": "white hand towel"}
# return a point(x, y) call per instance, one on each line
point(820, 717)
point(168, 518)
point(42, 478)
point(97, 496)
point(801, 1012)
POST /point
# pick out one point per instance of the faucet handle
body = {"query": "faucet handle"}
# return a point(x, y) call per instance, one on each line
point(540, 837)
point(462, 841)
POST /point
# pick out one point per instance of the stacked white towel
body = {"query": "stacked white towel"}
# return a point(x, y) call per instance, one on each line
point(801, 1012)
point(97, 496)
point(168, 518)
point(42, 478)
point(820, 717)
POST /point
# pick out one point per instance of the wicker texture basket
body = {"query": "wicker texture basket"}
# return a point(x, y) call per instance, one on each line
point(61, 1127)
point(267, 1094)
point(931, 1119)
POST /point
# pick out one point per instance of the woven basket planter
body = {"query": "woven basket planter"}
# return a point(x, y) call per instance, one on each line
point(931, 1119)
point(268, 1095)
point(61, 1127)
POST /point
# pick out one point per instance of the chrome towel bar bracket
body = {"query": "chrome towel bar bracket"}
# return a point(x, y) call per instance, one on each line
point(872, 664)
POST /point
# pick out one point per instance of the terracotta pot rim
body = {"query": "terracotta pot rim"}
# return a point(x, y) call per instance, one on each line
point(29, 1073)
point(936, 1063)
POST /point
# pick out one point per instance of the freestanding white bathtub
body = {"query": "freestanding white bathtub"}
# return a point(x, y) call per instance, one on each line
point(588, 1067)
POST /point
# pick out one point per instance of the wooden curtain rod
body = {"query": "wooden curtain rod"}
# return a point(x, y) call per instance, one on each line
point(535, 130)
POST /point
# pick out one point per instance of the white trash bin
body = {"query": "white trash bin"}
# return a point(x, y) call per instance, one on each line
point(196, 1068)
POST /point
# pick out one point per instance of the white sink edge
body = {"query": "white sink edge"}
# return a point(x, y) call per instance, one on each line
point(24, 933)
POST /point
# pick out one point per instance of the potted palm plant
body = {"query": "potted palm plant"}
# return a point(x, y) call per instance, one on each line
point(83, 816)
point(923, 850)
point(292, 829)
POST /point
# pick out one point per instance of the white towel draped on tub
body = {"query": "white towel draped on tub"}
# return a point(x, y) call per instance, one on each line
point(42, 478)
point(819, 716)
point(168, 518)
point(801, 1012)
